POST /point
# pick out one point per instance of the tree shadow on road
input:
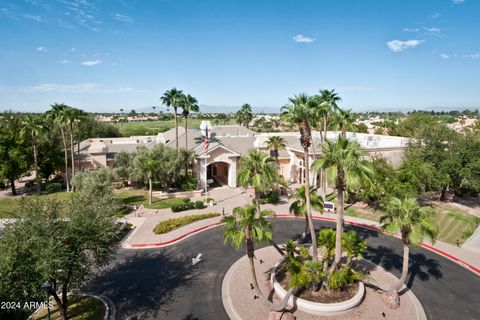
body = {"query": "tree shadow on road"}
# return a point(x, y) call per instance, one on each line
point(420, 266)
point(144, 284)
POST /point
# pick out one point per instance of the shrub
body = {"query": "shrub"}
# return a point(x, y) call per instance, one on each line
point(53, 187)
point(271, 197)
point(199, 204)
point(172, 224)
point(208, 200)
point(186, 204)
point(186, 200)
point(189, 184)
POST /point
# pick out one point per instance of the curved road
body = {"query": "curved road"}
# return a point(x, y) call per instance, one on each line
point(162, 284)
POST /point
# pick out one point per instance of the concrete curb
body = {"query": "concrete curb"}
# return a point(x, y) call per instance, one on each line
point(226, 299)
point(110, 311)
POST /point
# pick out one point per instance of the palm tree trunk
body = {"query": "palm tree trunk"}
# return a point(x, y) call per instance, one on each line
point(65, 150)
point(12, 186)
point(176, 127)
point(150, 191)
point(35, 160)
point(324, 173)
point(339, 229)
point(257, 203)
point(72, 152)
point(305, 231)
point(309, 206)
point(403, 277)
point(63, 313)
point(78, 150)
point(186, 133)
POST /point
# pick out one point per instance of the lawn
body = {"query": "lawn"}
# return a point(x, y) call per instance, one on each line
point(453, 223)
point(8, 205)
point(79, 308)
point(138, 197)
point(154, 127)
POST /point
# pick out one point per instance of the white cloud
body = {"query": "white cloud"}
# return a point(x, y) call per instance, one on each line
point(86, 87)
point(431, 30)
point(399, 46)
point(300, 38)
point(458, 1)
point(91, 62)
point(73, 50)
point(435, 15)
point(122, 17)
point(411, 30)
point(472, 56)
point(444, 56)
point(31, 17)
point(64, 61)
point(41, 49)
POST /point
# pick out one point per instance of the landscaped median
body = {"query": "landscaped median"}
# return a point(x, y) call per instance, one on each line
point(175, 223)
point(79, 308)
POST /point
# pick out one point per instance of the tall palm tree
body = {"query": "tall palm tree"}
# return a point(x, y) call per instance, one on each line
point(32, 127)
point(299, 112)
point(346, 119)
point(172, 98)
point(275, 144)
point(245, 226)
point(151, 166)
point(72, 117)
point(244, 115)
point(344, 162)
point(188, 104)
point(299, 207)
point(81, 117)
point(257, 170)
point(58, 115)
point(413, 222)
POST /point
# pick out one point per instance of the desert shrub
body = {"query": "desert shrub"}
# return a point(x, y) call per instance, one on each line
point(186, 204)
point(344, 277)
point(172, 224)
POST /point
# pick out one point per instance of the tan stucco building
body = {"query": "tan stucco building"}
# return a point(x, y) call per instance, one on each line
point(228, 143)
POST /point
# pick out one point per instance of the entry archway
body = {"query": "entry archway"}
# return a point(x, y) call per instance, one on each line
point(218, 172)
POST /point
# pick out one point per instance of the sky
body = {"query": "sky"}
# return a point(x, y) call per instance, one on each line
point(102, 56)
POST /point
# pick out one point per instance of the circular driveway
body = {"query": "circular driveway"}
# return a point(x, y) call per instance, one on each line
point(163, 284)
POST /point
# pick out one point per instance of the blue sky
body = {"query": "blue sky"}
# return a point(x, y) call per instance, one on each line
point(107, 55)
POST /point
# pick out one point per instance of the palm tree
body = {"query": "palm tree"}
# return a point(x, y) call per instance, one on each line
point(81, 117)
point(345, 119)
point(58, 115)
point(257, 170)
point(32, 127)
point(244, 115)
point(246, 226)
point(299, 112)
point(151, 166)
point(299, 208)
point(172, 98)
point(72, 116)
point(188, 104)
point(275, 144)
point(345, 165)
point(413, 222)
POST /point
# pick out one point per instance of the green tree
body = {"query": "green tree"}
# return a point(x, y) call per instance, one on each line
point(172, 98)
point(300, 113)
point(275, 144)
point(413, 222)
point(13, 151)
point(344, 160)
point(189, 104)
point(44, 246)
point(299, 206)
point(257, 170)
point(245, 115)
point(32, 127)
point(122, 166)
point(73, 117)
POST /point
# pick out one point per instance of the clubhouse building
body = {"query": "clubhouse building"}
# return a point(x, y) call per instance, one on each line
point(228, 143)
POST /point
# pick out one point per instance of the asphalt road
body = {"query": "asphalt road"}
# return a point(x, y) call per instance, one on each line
point(162, 283)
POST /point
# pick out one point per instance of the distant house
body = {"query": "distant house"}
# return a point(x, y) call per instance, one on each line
point(228, 143)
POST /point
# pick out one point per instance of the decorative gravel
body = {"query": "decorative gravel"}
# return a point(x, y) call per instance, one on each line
point(240, 296)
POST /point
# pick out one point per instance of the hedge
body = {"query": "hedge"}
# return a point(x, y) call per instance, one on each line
point(172, 224)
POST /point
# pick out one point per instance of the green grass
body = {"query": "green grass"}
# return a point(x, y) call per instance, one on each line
point(138, 197)
point(172, 224)
point(453, 223)
point(80, 308)
point(9, 205)
point(154, 127)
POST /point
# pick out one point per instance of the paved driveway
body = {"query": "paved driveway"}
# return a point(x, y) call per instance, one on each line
point(162, 284)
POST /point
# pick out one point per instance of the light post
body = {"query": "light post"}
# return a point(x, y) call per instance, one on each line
point(47, 286)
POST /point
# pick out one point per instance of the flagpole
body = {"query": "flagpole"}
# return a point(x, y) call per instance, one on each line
point(206, 152)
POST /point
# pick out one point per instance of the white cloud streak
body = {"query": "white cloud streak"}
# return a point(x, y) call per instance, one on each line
point(444, 56)
point(300, 38)
point(122, 17)
point(472, 56)
point(86, 87)
point(458, 1)
point(399, 46)
point(91, 62)
point(41, 49)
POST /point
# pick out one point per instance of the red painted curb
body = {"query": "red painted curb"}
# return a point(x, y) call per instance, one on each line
point(143, 245)
point(429, 247)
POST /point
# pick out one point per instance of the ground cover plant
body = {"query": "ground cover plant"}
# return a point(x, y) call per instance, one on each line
point(175, 223)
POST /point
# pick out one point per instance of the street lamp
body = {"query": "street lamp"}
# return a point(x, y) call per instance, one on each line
point(47, 286)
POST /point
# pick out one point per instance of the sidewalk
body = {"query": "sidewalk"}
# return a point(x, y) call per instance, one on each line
point(143, 236)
